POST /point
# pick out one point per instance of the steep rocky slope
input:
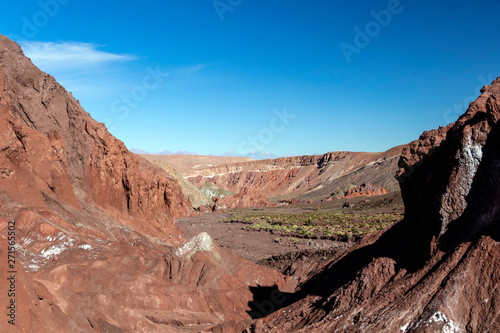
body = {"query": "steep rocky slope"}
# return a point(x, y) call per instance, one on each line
point(438, 269)
point(96, 247)
point(247, 197)
point(52, 147)
point(304, 177)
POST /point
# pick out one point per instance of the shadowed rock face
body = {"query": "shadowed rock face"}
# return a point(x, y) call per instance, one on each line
point(97, 248)
point(435, 271)
point(96, 244)
point(449, 177)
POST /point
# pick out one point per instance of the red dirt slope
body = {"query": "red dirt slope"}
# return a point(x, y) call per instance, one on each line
point(437, 270)
point(96, 246)
point(246, 198)
point(364, 190)
point(304, 177)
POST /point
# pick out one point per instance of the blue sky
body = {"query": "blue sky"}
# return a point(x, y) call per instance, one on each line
point(290, 77)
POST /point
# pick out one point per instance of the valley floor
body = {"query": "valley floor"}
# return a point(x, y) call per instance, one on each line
point(247, 233)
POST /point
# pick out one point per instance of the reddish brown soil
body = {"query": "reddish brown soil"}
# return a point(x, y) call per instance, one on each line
point(364, 190)
point(256, 246)
point(251, 245)
point(97, 248)
point(247, 197)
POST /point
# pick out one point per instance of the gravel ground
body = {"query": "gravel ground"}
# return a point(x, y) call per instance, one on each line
point(251, 245)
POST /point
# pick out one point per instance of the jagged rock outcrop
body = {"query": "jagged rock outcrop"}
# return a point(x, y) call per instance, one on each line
point(49, 141)
point(435, 271)
point(96, 246)
point(364, 190)
point(463, 182)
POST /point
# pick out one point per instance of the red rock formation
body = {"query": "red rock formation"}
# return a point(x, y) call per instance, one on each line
point(287, 202)
point(435, 271)
point(95, 241)
point(303, 177)
point(364, 190)
point(75, 155)
point(248, 197)
point(34, 308)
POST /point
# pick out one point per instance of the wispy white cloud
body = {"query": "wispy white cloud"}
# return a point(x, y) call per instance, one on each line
point(62, 55)
point(94, 75)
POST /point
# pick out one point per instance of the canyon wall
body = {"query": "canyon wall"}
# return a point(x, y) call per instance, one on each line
point(435, 271)
point(92, 226)
point(304, 177)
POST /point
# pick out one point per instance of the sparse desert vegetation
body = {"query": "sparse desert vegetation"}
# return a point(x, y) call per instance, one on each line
point(337, 232)
point(332, 224)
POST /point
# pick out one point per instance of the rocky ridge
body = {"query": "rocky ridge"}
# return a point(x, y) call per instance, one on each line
point(187, 163)
point(97, 248)
point(435, 271)
point(303, 177)
point(96, 244)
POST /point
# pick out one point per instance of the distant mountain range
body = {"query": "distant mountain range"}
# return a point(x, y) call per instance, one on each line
point(163, 152)
point(258, 155)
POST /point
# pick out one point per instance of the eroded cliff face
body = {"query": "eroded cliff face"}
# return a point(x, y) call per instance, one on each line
point(96, 244)
point(48, 134)
point(438, 269)
point(303, 177)
point(463, 183)
point(246, 198)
